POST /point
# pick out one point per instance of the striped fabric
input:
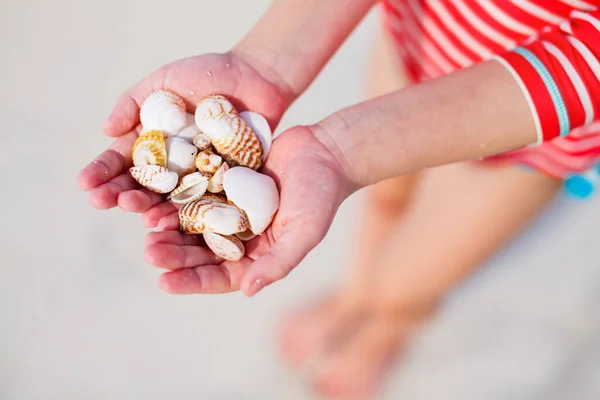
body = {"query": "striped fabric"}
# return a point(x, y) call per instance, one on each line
point(551, 47)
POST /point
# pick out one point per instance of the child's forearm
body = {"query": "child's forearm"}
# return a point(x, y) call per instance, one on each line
point(473, 113)
point(295, 38)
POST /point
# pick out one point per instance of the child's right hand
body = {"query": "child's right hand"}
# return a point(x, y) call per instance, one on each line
point(250, 86)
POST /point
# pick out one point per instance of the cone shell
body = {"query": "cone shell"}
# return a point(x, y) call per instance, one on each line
point(190, 130)
point(208, 161)
point(150, 149)
point(261, 127)
point(191, 188)
point(215, 184)
point(163, 110)
point(201, 141)
point(227, 247)
point(181, 156)
point(231, 136)
point(255, 194)
point(155, 178)
point(210, 216)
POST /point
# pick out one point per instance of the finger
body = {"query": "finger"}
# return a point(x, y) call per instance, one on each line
point(169, 222)
point(208, 279)
point(151, 217)
point(106, 196)
point(138, 201)
point(126, 113)
point(172, 237)
point(169, 256)
point(109, 164)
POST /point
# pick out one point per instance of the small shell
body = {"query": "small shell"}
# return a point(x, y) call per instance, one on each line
point(191, 188)
point(210, 216)
point(201, 141)
point(260, 126)
point(215, 197)
point(163, 110)
point(190, 130)
point(208, 161)
point(231, 136)
point(255, 194)
point(150, 149)
point(181, 156)
point(155, 178)
point(215, 184)
point(246, 235)
point(227, 247)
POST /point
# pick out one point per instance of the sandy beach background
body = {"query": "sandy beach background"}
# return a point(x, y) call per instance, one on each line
point(81, 316)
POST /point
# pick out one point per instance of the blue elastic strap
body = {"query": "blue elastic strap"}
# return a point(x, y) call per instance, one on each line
point(557, 99)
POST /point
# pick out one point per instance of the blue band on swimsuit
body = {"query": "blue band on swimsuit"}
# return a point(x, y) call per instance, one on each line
point(557, 99)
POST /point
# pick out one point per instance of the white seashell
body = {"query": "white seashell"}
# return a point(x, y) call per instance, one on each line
point(150, 149)
point(246, 235)
point(155, 178)
point(210, 216)
point(208, 161)
point(191, 188)
point(215, 184)
point(201, 141)
point(255, 194)
point(190, 130)
point(163, 110)
point(231, 136)
point(181, 156)
point(227, 247)
point(260, 126)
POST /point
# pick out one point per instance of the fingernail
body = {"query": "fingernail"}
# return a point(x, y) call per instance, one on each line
point(255, 287)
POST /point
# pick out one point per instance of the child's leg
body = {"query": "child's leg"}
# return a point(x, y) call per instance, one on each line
point(460, 216)
point(306, 330)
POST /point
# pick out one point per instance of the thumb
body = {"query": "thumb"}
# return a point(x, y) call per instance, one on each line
point(125, 116)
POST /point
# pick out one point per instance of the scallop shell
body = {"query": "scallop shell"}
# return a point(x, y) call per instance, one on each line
point(190, 130)
point(150, 149)
point(163, 110)
point(261, 127)
point(255, 194)
point(191, 188)
point(201, 141)
point(246, 235)
point(181, 156)
point(231, 136)
point(210, 216)
point(215, 184)
point(227, 247)
point(155, 178)
point(208, 161)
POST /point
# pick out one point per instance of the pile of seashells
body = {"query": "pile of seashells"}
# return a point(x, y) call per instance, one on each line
point(207, 164)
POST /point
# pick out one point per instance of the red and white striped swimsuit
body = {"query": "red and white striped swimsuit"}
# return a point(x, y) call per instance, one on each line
point(551, 47)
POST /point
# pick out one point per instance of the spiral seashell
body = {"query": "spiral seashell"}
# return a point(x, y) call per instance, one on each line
point(255, 194)
point(215, 184)
point(181, 156)
point(231, 136)
point(155, 178)
point(163, 110)
point(209, 216)
point(261, 127)
point(190, 130)
point(227, 247)
point(150, 149)
point(208, 161)
point(191, 188)
point(201, 141)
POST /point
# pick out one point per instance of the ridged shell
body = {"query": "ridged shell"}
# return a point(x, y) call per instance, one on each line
point(255, 194)
point(219, 198)
point(155, 178)
point(191, 188)
point(208, 161)
point(181, 156)
point(190, 130)
point(150, 149)
point(261, 127)
point(231, 136)
point(209, 216)
point(215, 184)
point(201, 141)
point(163, 110)
point(227, 247)
point(246, 235)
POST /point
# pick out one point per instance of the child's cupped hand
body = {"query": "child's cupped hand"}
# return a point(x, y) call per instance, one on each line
point(310, 178)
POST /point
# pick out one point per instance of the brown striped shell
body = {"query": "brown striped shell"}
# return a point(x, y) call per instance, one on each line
point(155, 178)
point(210, 216)
point(225, 246)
